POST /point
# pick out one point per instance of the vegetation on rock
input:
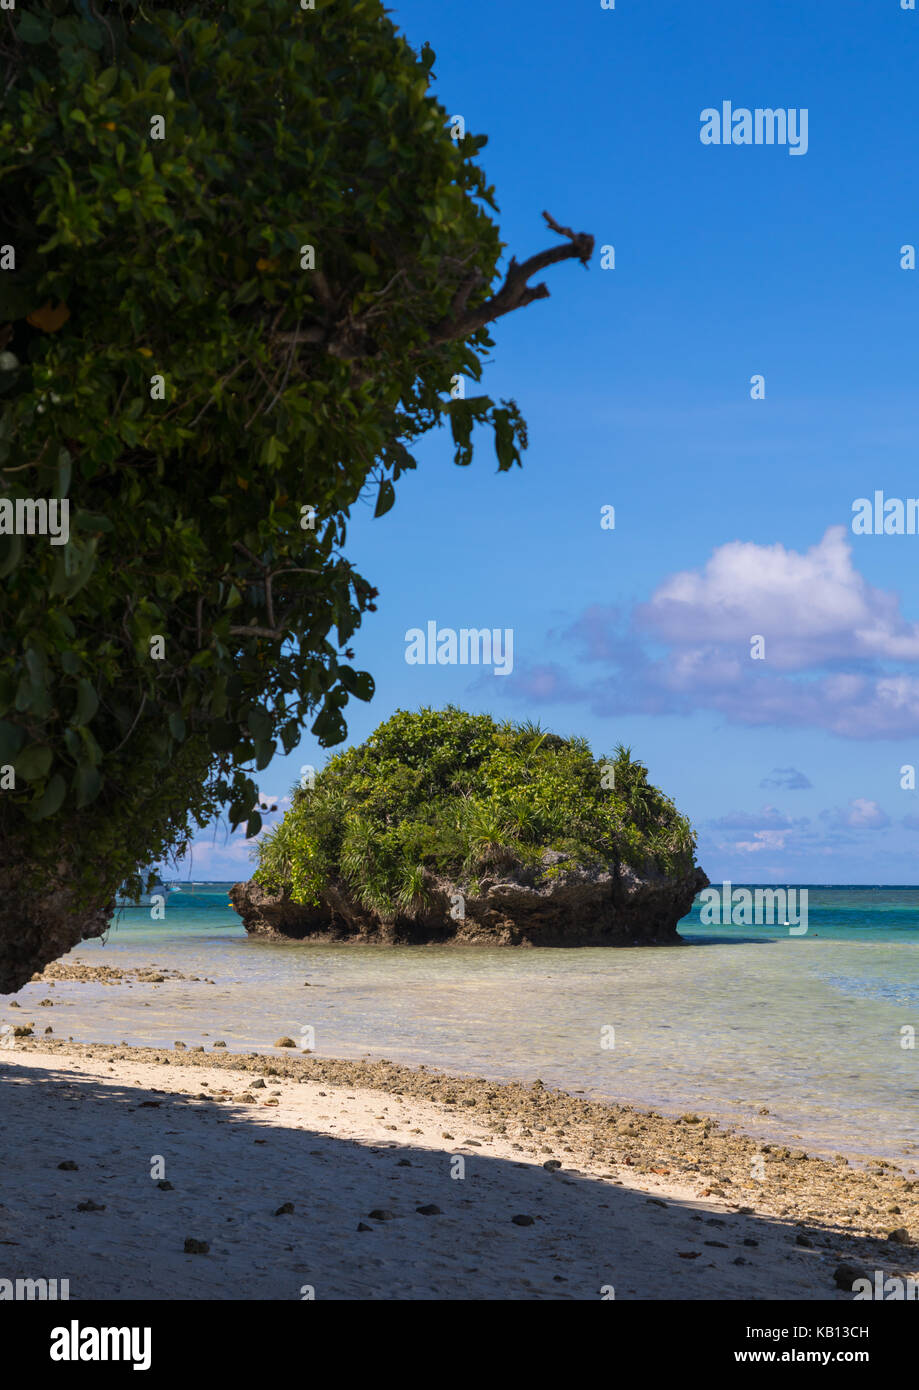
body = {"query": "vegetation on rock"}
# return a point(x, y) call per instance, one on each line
point(442, 794)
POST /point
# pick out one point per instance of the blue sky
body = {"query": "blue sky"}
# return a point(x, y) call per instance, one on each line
point(732, 515)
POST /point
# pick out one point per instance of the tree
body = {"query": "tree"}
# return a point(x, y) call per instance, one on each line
point(243, 264)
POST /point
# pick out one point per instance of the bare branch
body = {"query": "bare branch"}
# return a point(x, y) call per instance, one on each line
point(303, 335)
point(515, 293)
point(132, 728)
point(273, 634)
point(244, 549)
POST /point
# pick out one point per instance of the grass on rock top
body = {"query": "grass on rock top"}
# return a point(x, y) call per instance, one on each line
point(450, 795)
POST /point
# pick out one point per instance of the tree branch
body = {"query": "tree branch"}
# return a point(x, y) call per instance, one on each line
point(515, 293)
point(347, 339)
point(271, 633)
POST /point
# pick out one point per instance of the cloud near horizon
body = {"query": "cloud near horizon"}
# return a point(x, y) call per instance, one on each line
point(839, 654)
point(221, 854)
point(834, 832)
point(860, 814)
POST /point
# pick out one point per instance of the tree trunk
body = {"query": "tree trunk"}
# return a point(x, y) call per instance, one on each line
point(36, 928)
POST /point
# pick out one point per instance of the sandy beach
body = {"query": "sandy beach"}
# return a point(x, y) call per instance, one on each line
point(368, 1180)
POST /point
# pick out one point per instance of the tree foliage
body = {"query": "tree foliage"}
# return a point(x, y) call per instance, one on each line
point(214, 344)
point(457, 795)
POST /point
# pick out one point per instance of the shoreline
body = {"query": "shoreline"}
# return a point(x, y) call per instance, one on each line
point(776, 1123)
point(652, 1206)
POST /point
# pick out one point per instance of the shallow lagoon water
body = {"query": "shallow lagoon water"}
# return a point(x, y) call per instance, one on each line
point(740, 1020)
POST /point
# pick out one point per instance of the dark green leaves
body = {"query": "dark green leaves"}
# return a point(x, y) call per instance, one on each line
point(386, 496)
point(11, 549)
point(141, 663)
point(93, 521)
point(12, 738)
point(329, 727)
point(260, 723)
point(73, 567)
point(50, 801)
point(87, 784)
point(31, 29)
point(33, 762)
point(359, 683)
point(87, 703)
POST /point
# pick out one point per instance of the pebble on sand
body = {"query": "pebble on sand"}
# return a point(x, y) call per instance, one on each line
point(845, 1275)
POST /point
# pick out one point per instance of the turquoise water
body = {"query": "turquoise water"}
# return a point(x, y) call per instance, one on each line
point(809, 1027)
point(837, 913)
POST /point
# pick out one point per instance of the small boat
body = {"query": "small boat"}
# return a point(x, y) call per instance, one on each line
point(146, 900)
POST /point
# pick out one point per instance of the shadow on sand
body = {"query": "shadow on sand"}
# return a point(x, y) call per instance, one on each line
point(231, 1170)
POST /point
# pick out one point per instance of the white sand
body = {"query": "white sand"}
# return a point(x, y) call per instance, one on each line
point(333, 1153)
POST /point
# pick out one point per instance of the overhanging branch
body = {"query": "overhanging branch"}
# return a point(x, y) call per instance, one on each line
point(348, 338)
point(515, 293)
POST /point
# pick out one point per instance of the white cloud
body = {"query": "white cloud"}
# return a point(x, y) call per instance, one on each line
point(810, 607)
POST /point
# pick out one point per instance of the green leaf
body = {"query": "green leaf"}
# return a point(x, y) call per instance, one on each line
point(73, 568)
point(365, 263)
point(34, 762)
point(87, 784)
point(11, 740)
point(31, 29)
point(50, 801)
point(290, 735)
point(107, 79)
point(10, 554)
point(264, 752)
point(93, 521)
point(91, 749)
point(260, 723)
point(358, 683)
point(385, 498)
point(37, 666)
point(177, 727)
point(329, 727)
point(87, 703)
point(64, 469)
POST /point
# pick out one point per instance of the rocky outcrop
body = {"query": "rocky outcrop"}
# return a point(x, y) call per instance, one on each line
point(36, 928)
point(552, 904)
